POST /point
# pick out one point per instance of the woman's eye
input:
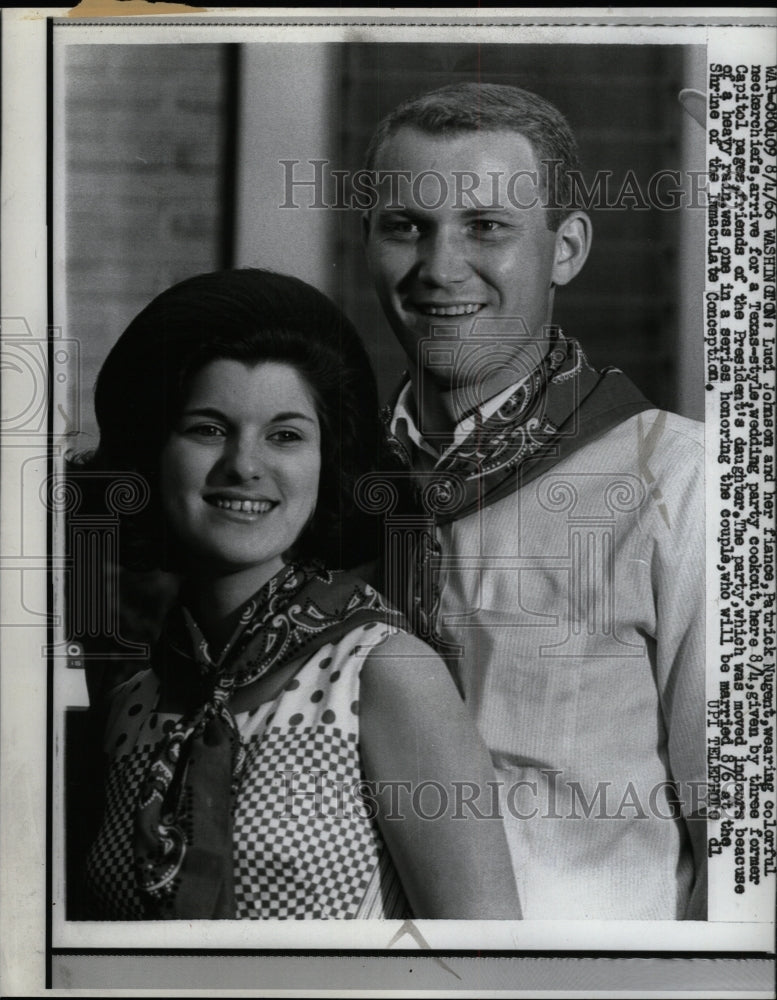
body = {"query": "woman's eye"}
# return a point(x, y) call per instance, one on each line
point(285, 436)
point(205, 430)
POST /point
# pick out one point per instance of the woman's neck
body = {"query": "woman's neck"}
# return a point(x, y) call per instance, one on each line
point(216, 601)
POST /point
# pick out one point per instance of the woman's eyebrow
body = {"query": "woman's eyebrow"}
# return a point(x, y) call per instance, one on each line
point(291, 415)
point(209, 411)
point(203, 411)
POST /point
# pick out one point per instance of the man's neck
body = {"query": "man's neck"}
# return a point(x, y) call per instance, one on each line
point(434, 411)
point(440, 409)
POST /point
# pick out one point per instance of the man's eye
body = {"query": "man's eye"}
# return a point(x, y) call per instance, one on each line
point(400, 227)
point(486, 226)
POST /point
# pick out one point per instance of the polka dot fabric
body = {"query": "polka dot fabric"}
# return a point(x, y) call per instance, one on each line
point(306, 844)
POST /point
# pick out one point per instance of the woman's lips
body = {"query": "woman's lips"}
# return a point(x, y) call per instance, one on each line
point(244, 506)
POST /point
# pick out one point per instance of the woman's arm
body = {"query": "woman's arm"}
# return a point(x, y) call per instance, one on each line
point(431, 773)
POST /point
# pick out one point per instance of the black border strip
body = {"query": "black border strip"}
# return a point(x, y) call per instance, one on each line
point(50, 512)
point(229, 146)
point(127, 21)
point(413, 953)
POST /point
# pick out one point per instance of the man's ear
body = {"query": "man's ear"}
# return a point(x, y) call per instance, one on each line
point(573, 241)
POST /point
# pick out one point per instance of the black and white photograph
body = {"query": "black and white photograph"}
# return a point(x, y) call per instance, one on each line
point(388, 502)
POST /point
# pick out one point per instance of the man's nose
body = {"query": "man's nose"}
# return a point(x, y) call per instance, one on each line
point(442, 258)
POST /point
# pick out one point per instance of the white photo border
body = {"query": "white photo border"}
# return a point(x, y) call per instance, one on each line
point(32, 700)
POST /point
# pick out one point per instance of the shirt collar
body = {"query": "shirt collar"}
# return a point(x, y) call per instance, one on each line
point(404, 424)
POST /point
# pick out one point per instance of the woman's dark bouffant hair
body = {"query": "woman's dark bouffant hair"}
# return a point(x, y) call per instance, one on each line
point(253, 316)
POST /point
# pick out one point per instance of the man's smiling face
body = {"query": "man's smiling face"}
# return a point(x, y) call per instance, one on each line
point(447, 263)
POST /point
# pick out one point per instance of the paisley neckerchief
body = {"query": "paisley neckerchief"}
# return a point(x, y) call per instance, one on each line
point(561, 406)
point(183, 821)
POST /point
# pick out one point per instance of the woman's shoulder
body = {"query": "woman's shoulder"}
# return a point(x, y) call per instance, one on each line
point(362, 602)
point(400, 643)
point(368, 637)
point(386, 636)
point(403, 666)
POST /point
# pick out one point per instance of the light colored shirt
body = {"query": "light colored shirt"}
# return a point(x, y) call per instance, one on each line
point(578, 604)
point(404, 427)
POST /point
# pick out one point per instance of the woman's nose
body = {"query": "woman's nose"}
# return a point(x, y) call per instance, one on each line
point(443, 258)
point(244, 459)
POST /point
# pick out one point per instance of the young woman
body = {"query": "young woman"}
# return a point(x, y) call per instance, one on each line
point(291, 751)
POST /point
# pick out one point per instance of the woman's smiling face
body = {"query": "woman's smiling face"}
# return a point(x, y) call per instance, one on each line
point(239, 473)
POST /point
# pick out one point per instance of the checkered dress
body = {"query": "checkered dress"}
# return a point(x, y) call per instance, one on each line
point(306, 843)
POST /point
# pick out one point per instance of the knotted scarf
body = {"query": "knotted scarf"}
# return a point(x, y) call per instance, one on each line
point(560, 406)
point(183, 822)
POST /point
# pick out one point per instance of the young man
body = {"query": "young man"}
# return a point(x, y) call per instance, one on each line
point(568, 573)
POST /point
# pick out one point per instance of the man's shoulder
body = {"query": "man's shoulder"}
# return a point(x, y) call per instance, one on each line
point(674, 429)
point(662, 449)
point(660, 435)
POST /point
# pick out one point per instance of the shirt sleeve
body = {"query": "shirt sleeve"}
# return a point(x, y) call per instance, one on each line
point(678, 566)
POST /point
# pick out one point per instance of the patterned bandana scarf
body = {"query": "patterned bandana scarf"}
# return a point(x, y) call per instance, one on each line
point(183, 822)
point(561, 406)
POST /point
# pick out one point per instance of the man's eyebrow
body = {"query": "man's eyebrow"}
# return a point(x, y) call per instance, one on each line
point(466, 212)
point(473, 212)
point(395, 209)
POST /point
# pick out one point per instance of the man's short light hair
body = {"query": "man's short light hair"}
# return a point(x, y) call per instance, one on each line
point(472, 107)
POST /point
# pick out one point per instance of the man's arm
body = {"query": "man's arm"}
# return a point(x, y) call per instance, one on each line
point(679, 586)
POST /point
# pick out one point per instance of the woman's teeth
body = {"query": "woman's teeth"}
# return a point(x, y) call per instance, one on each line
point(247, 506)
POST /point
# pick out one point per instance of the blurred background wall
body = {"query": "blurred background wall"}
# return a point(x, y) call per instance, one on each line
point(149, 135)
point(172, 159)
